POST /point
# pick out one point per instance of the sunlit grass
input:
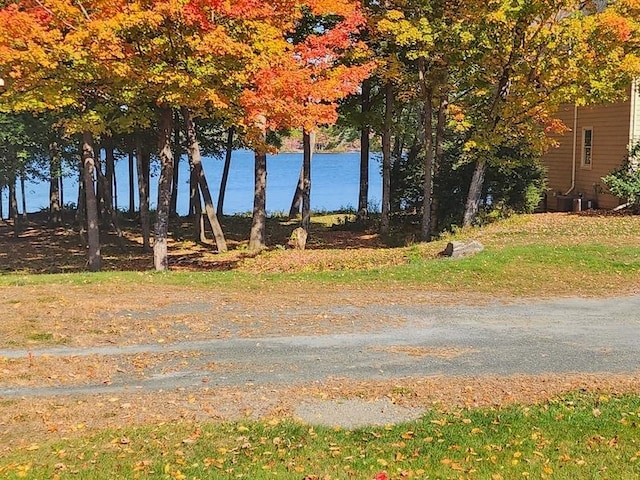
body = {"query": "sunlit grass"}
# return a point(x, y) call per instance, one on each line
point(525, 255)
point(576, 436)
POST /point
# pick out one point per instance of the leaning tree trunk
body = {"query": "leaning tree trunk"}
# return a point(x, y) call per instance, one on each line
point(55, 211)
point(363, 196)
point(308, 140)
point(142, 164)
point(195, 206)
point(475, 193)
point(386, 160)
point(427, 94)
point(94, 259)
point(296, 201)
point(258, 223)
point(196, 162)
point(225, 171)
point(160, 248)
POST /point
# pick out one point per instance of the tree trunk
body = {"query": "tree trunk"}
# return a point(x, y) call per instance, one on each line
point(110, 216)
point(308, 141)
point(177, 153)
point(475, 192)
point(160, 248)
point(196, 208)
point(258, 224)
point(13, 198)
point(196, 161)
point(296, 202)
point(61, 189)
point(81, 215)
point(386, 160)
point(439, 153)
point(132, 203)
point(142, 163)
point(94, 259)
point(225, 171)
point(363, 196)
point(427, 94)
point(109, 173)
point(23, 192)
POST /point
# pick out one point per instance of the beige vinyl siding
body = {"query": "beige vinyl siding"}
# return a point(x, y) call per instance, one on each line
point(558, 159)
point(610, 143)
point(611, 125)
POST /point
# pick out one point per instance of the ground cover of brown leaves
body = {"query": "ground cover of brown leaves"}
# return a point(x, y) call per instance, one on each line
point(95, 315)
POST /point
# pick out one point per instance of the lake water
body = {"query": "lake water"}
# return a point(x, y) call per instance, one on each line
point(334, 183)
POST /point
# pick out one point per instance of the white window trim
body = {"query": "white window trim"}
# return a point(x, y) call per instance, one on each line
point(583, 154)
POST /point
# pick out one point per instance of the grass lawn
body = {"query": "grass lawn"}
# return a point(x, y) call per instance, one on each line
point(48, 300)
point(576, 436)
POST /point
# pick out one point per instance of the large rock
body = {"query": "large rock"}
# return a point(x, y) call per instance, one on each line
point(462, 249)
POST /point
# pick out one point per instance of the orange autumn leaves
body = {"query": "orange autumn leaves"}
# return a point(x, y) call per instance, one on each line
point(234, 59)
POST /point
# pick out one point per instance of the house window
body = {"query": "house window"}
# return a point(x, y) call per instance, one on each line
point(587, 147)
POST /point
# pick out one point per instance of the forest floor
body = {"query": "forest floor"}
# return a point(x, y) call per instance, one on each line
point(77, 356)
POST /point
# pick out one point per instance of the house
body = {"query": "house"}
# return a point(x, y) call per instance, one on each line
point(598, 141)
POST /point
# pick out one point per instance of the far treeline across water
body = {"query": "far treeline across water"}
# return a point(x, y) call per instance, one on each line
point(460, 102)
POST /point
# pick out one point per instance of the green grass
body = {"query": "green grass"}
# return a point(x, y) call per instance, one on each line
point(525, 255)
point(577, 436)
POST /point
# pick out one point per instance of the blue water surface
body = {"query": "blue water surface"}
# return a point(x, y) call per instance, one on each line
point(334, 183)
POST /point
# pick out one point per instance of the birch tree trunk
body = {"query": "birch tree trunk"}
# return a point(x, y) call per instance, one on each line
point(258, 224)
point(160, 248)
point(196, 162)
point(94, 258)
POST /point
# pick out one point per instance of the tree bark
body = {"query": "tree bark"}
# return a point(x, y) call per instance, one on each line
point(132, 203)
point(475, 192)
point(196, 161)
point(225, 171)
point(23, 192)
point(110, 215)
point(427, 94)
point(94, 259)
point(386, 160)
point(109, 173)
point(160, 248)
point(308, 141)
point(177, 153)
point(13, 198)
point(81, 216)
point(365, 131)
point(296, 201)
point(258, 224)
point(142, 163)
point(439, 153)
